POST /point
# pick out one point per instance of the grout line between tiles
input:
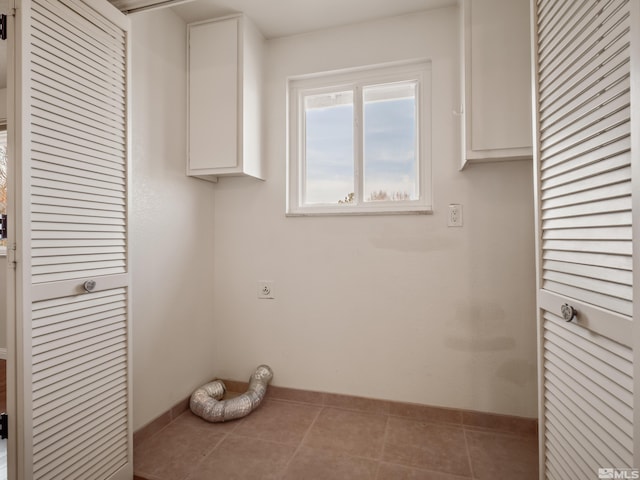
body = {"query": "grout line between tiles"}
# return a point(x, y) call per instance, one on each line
point(323, 404)
point(466, 445)
point(427, 470)
point(208, 452)
point(215, 447)
point(427, 420)
point(140, 444)
point(277, 442)
point(407, 417)
point(506, 433)
point(384, 446)
point(295, 452)
point(204, 457)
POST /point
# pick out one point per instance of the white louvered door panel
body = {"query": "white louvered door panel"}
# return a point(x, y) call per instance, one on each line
point(71, 60)
point(585, 243)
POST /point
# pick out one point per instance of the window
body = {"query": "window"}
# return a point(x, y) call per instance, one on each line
point(359, 142)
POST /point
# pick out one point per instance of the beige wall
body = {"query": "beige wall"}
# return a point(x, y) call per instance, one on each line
point(172, 228)
point(392, 307)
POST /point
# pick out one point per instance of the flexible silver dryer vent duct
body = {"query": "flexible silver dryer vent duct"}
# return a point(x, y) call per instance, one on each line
point(206, 402)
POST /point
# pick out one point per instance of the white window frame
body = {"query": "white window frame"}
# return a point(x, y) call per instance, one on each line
point(357, 79)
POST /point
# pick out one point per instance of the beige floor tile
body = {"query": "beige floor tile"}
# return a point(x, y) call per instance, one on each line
point(388, 471)
point(428, 446)
point(285, 440)
point(497, 456)
point(175, 451)
point(310, 464)
point(244, 458)
point(349, 432)
point(279, 421)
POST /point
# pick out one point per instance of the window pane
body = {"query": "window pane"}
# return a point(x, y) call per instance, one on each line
point(390, 164)
point(329, 148)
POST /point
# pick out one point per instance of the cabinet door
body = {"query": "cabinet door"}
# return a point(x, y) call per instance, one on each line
point(213, 97)
point(497, 64)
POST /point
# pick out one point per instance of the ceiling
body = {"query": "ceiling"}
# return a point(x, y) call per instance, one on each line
point(279, 18)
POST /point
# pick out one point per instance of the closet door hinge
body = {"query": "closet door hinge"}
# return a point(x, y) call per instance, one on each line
point(3, 27)
point(11, 249)
point(3, 226)
point(11, 255)
point(4, 426)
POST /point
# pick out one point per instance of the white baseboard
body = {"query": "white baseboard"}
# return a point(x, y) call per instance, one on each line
point(3, 353)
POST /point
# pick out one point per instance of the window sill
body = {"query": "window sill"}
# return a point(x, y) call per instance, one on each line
point(325, 211)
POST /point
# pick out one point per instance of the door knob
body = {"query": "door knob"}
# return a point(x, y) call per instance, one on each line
point(568, 312)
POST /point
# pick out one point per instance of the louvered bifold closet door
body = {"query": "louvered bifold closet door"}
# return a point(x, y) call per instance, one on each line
point(77, 351)
point(584, 235)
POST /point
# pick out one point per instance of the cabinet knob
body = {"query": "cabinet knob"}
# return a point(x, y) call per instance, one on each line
point(89, 285)
point(568, 312)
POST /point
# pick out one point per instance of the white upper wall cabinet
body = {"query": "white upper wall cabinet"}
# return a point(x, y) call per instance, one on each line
point(496, 86)
point(224, 90)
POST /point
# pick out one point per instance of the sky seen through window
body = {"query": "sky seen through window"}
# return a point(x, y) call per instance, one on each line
point(389, 145)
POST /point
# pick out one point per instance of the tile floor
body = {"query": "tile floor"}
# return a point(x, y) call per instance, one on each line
point(289, 440)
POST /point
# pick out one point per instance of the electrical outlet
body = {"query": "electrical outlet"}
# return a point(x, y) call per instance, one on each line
point(265, 290)
point(455, 215)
